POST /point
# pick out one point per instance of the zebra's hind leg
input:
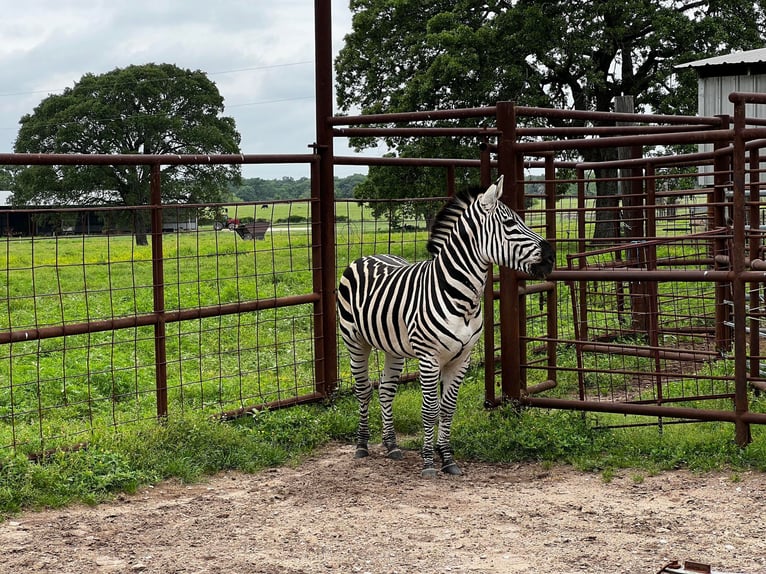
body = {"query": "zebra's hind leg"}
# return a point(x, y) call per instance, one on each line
point(392, 369)
point(360, 359)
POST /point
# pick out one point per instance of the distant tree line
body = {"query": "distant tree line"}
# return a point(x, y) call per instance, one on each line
point(257, 189)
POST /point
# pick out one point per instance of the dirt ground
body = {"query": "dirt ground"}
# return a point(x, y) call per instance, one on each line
point(336, 514)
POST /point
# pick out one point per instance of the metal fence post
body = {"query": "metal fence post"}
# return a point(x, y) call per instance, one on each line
point(510, 308)
point(158, 283)
point(742, 429)
point(323, 209)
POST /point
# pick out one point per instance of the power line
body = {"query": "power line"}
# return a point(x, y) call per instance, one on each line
point(222, 72)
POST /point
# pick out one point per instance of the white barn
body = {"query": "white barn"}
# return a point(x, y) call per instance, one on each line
point(721, 75)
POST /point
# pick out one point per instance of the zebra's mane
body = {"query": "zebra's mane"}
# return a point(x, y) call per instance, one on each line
point(445, 220)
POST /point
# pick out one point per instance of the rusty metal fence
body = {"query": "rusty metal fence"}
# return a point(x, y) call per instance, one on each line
point(657, 305)
point(659, 317)
point(666, 307)
point(97, 331)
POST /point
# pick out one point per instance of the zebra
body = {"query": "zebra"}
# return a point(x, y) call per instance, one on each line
point(431, 311)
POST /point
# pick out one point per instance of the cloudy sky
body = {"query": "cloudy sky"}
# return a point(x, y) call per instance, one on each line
point(260, 54)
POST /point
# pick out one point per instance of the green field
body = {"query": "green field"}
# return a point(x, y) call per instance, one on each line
point(53, 390)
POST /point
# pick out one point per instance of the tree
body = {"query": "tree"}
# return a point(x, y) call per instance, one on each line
point(6, 177)
point(149, 109)
point(408, 55)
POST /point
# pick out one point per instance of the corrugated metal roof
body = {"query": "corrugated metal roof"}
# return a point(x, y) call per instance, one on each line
point(748, 57)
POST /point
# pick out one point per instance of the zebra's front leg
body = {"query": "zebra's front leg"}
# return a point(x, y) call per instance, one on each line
point(391, 371)
point(452, 377)
point(429, 381)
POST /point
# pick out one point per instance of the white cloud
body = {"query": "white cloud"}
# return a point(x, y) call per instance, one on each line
point(259, 53)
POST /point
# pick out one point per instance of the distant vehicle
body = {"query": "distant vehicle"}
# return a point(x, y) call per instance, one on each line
point(230, 223)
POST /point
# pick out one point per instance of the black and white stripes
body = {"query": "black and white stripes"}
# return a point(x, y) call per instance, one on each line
point(431, 311)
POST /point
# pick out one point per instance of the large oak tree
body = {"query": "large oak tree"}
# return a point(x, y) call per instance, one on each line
point(147, 109)
point(408, 55)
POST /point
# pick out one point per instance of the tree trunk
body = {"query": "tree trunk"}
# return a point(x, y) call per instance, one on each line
point(607, 199)
point(140, 227)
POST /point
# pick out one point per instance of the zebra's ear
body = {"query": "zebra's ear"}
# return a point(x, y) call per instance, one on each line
point(490, 197)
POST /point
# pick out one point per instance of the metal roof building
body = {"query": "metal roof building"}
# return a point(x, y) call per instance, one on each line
point(721, 75)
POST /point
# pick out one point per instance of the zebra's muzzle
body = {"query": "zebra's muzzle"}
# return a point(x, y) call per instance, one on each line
point(544, 267)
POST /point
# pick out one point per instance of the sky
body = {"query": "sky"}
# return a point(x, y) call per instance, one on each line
point(259, 53)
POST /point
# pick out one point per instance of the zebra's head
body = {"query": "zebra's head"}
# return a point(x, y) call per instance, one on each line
point(507, 240)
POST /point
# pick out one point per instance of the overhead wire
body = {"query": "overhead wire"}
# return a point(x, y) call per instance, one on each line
point(222, 72)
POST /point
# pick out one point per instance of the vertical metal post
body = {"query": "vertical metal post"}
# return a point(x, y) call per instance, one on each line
point(450, 173)
point(323, 207)
point(510, 311)
point(158, 284)
point(580, 307)
point(489, 298)
point(754, 250)
point(717, 218)
point(742, 429)
point(551, 310)
point(650, 289)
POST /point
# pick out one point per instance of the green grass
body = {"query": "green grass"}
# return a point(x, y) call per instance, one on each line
point(193, 445)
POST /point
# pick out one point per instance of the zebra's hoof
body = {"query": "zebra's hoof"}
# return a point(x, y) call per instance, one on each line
point(395, 453)
point(428, 472)
point(452, 468)
point(361, 452)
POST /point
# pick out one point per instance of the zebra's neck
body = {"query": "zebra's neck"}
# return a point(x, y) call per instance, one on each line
point(461, 273)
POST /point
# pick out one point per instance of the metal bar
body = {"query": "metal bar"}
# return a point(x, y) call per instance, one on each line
point(520, 324)
point(646, 410)
point(428, 162)
point(489, 298)
point(618, 130)
point(754, 248)
point(490, 111)
point(415, 132)
point(743, 436)
point(741, 98)
point(509, 287)
point(658, 275)
point(369, 119)
point(323, 211)
point(613, 116)
point(652, 139)
point(650, 351)
point(551, 309)
point(149, 159)
point(270, 406)
point(158, 289)
point(152, 319)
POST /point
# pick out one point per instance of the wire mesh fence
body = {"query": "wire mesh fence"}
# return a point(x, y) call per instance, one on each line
point(80, 348)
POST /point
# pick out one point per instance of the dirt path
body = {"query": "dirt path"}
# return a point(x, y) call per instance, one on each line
point(336, 514)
